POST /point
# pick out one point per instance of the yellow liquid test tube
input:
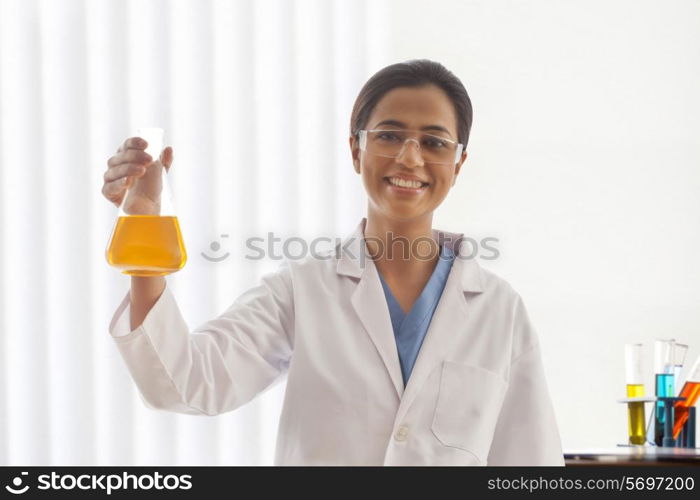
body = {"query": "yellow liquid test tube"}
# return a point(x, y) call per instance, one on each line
point(636, 420)
point(635, 390)
point(635, 415)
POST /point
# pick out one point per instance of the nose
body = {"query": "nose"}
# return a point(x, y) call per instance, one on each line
point(410, 154)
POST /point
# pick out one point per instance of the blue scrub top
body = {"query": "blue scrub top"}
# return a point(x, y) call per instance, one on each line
point(410, 329)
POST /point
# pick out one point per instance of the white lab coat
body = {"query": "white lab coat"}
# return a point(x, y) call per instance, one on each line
point(477, 394)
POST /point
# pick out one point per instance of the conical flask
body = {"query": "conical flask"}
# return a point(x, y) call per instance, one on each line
point(146, 239)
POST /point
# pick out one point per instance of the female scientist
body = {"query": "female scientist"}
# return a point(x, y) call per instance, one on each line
point(398, 348)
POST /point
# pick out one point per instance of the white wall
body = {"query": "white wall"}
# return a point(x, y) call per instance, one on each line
point(585, 163)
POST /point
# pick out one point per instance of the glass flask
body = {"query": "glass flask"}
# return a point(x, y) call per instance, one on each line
point(146, 239)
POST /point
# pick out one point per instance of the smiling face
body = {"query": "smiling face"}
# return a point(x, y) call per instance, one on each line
point(416, 108)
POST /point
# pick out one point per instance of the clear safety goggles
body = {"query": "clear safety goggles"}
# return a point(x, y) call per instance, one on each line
point(390, 143)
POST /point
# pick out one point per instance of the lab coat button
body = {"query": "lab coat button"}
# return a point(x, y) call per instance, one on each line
point(401, 433)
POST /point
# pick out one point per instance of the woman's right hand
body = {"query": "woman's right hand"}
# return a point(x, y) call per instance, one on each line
point(131, 164)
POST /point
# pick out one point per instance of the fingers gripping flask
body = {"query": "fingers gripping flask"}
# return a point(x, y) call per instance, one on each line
point(146, 239)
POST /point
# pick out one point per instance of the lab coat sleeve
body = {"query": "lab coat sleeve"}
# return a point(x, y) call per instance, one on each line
point(219, 366)
point(526, 431)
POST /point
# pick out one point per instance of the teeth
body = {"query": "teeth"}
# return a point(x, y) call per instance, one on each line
point(404, 183)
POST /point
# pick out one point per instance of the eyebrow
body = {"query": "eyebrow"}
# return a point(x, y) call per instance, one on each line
point(397, 123)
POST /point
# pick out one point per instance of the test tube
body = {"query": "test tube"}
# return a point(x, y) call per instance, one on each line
point(663, 368)
point(679, 353)
point(634, 376)
point(691, 393)
point(633, 370)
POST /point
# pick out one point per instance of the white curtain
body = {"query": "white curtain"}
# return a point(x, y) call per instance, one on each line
point(255, 97)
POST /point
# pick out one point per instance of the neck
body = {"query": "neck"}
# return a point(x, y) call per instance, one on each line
point(400, 243)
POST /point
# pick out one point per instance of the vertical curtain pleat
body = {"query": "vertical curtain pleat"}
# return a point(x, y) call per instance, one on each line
point(349, 72)
point(26, 240)
point(255, 99)
point(234, 190)
point(67, 205)
point(315, 96)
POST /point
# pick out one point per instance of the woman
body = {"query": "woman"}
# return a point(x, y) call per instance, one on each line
point(398, 348)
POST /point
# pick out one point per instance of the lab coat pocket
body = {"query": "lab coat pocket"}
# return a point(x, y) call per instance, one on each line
point(468, 404)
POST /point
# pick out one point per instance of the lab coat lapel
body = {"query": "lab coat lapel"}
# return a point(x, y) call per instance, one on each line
point(369, 302)
point(451, 312)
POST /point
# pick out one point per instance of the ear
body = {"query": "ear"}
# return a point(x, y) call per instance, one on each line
point(458, 167)
point(355, 151)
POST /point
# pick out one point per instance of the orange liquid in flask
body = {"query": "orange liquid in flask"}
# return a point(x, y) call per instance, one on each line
point(147, 245)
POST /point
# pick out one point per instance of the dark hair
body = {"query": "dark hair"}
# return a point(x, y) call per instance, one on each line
point(413, 73)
